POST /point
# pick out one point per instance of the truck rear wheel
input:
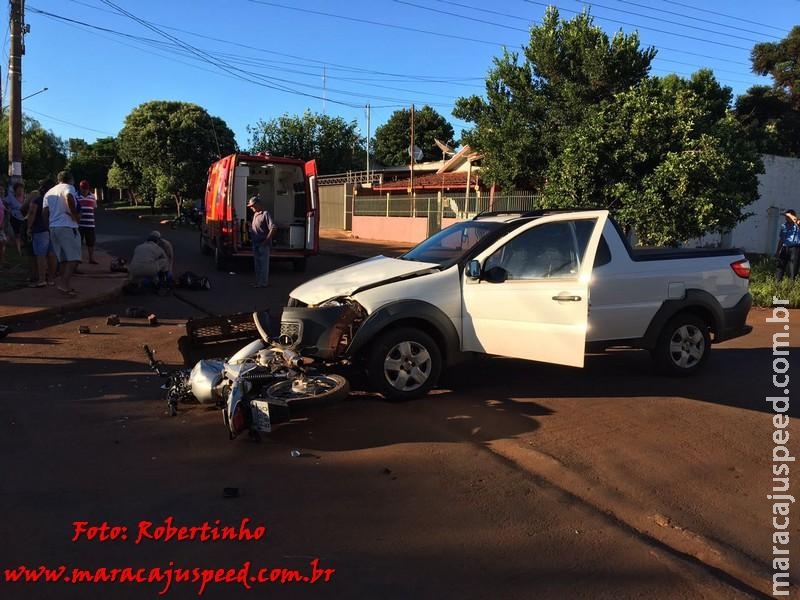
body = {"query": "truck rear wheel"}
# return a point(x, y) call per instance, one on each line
point(204, 248)
point(404, 363)
point(683, 346)
point(220, 260)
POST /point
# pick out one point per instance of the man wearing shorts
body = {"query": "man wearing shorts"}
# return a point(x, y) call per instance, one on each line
point(61, 212)
point(88, 205)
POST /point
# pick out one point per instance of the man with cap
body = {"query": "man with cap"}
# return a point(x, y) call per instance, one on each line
point(261, 231)
point(150, 261)
point(87, 203)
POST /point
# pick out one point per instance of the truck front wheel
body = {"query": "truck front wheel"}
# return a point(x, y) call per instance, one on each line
point(404, 364)
point(683, 346)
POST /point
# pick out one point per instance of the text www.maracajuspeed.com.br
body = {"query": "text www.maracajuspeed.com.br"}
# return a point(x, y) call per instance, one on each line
point(245, 576)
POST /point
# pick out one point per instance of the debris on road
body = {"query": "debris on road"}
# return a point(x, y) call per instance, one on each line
point(135, 312)
point(152, 319)
point(112, 320)
point(84, 329)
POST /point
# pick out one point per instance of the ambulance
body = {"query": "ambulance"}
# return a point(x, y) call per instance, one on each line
point(288, 191)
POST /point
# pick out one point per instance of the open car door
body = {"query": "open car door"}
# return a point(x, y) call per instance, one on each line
point(527, 296)
point(312, 214)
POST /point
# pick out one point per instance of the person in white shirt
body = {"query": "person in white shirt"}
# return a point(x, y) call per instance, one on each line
point(61, 212)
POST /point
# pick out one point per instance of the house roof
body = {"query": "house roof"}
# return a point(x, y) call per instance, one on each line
point(446, 178)
point(431, 181)
point(464, 155)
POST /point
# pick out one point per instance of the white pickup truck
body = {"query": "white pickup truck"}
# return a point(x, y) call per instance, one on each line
point(544, 286)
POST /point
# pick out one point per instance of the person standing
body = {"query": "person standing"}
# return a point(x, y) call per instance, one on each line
point(39, 234)
point(15, 202)
point(61, 214)
point(3, 237)
point(261, 231)
point(86, 226)
point(788, 252)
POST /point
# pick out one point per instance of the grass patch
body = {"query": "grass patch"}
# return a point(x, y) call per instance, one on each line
point(763, 287)
point(16, 270)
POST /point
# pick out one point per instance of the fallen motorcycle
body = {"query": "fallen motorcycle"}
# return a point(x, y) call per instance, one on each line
point(257, 388)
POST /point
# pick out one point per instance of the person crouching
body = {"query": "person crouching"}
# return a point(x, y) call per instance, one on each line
point(150, 264)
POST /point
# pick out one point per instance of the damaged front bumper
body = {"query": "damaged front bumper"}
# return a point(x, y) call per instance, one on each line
point(324, 332)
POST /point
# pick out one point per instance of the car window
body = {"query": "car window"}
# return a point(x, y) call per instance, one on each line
point(548, 250)
point(450, 244)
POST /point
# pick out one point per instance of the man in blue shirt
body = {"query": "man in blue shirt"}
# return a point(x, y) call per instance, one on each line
point(261, 231)
point(788, 252)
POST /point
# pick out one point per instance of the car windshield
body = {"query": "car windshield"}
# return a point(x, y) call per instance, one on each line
point(449, 245)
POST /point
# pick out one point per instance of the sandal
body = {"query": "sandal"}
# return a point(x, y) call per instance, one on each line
point(69, 292)
point(38, 284)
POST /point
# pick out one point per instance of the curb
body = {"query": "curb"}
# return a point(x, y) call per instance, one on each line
point(73, 306)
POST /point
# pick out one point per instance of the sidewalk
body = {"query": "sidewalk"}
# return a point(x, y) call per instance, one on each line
point(97, 284)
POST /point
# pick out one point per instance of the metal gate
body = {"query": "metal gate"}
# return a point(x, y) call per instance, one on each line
point(336, 206)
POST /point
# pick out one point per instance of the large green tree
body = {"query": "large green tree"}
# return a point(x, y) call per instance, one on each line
point(166, 147)
point(666, 156)
point(393, 138)
point(535, 99)
point(92, 161)
point(772, 114)
point(43, 153)
point(579, 119)
point(334, 143)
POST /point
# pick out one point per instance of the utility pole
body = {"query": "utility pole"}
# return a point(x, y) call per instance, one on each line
point(411, 152)
point(368, 134)
point(18, 30)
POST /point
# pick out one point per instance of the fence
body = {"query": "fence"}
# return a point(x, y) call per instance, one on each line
point(452, 206)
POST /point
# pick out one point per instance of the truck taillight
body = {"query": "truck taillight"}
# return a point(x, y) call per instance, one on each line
point(741, 268)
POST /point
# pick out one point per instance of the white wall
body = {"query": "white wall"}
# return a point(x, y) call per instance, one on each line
point(779, 189)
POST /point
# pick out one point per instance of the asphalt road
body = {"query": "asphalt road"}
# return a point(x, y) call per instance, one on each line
point(513, 480)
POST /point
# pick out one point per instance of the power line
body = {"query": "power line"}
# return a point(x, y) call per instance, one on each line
point(244, 60)
point(683, 35)
point(638, 14)
point(421, 7)
point(368, 22)
point(660, 47)
point(713, 12)
point(670, 12)
point(69, 123)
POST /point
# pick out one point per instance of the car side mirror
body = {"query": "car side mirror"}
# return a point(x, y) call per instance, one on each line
point(474, 269)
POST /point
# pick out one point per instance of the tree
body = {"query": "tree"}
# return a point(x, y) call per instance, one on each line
point(43, 153)
point(532, 102)
point(664, 156)
point(335, 144)
point(771, 115)
point(93, 161)
point(781, 60)
point(393, 139)
point(168, 146)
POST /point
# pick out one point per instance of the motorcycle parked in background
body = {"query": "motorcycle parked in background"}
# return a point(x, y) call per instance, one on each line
point(190, 217)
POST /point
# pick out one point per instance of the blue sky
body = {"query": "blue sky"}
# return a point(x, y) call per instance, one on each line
point(246, 60)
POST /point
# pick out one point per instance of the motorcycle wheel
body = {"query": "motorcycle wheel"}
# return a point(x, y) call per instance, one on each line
point(314, 388)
